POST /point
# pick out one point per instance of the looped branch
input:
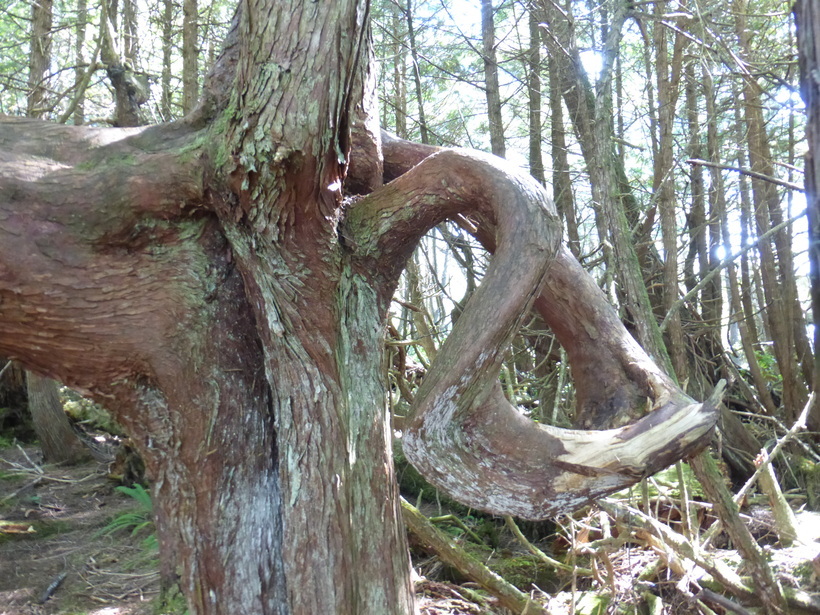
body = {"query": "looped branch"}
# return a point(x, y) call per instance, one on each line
point(463, 434)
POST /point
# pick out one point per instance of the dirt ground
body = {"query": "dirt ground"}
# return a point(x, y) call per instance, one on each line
point(50, 529)
point(50, 523)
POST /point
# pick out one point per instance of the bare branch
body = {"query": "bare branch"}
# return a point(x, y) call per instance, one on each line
point(752, 174)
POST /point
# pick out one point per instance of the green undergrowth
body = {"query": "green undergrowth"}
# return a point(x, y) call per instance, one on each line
point(89, 413)
point(171, 602)
point(518, 568)
point(140, 520)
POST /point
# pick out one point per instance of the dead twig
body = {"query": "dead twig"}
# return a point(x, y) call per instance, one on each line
point(28, 485)
point(21, 470)
point(767, 588)
point(682, 547)
point(707, 595)
point(799, 425)
point(34, 466)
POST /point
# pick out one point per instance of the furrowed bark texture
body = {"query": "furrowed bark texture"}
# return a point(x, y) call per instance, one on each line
point(266, 435)
point(133, 298)
point(126, 299)
point(283, 150)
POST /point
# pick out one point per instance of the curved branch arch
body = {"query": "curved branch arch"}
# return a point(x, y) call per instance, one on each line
point(463, 434)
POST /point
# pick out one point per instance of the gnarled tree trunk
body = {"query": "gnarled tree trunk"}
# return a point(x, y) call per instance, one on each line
point(207, 280)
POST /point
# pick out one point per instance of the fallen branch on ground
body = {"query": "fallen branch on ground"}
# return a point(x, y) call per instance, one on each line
point(434, 539)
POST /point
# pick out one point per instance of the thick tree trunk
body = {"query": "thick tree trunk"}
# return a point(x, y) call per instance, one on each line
point(260, 493)
point(318, 316)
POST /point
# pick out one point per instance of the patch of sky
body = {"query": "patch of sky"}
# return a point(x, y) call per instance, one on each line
point(593, 63)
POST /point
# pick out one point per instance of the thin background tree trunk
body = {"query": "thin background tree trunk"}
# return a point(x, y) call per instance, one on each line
point(776, 262)
point(79, 58)
point(807, 13)
point(167, 51)
point(591, 115)
point(190, 55)
point(39, 56)
point(668, 72)
point(533, 67)
point(496, 121)
point(399, 68)
point(562, 192)
point(414, 54)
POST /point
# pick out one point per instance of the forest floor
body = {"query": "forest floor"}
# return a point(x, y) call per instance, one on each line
point(58, 556)
point(51, 528)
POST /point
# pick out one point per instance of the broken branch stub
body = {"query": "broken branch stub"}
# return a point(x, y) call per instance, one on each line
point(463, 434)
